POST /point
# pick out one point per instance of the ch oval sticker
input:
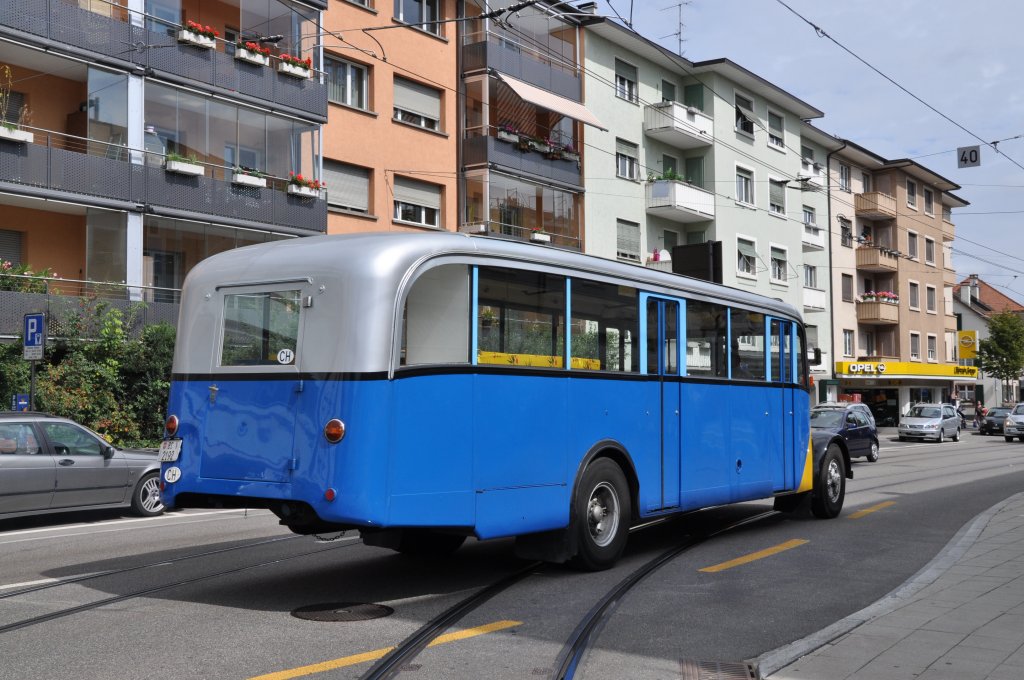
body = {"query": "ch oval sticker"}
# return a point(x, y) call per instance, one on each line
point(285, 356)
point(172, 474)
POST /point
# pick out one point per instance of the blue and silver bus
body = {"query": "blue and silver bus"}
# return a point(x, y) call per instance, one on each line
point(423, 388)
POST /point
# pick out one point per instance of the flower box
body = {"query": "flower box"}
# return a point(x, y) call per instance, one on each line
point(508, 136)
point(16, 135)
point(199, 40)
point(293, 70)
point(540, 147)
point(242, 54)
point(185, 168)
point(248, 180)
point(570, 156)
point(306, 192)
point(540, 237)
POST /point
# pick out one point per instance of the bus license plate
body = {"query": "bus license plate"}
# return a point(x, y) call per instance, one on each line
point(169, 450)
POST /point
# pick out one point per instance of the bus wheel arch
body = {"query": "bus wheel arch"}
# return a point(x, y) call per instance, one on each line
point(601, 512)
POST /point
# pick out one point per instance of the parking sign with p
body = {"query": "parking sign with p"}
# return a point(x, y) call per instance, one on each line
point(35, 336)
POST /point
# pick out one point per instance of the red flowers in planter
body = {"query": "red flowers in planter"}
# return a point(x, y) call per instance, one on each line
point(207, 31)
point(253, 47)
point(301, 181)
point(306, 63)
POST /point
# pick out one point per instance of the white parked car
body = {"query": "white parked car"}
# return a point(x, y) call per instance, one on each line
point(930, 421)
point(1013, 426)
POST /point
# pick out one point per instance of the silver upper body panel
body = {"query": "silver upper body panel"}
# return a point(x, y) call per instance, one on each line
point(356, 284)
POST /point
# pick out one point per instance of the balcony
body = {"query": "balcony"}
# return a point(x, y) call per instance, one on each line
point(875, 206)
point(515, 57)
point(876, 259)
point(677, 125)
point(813, 238)
point(878, 313)
point(679, 202)
point(815, 299)
point(47, 168)
point(82, 32)
point(527, 162)
point(566, 237)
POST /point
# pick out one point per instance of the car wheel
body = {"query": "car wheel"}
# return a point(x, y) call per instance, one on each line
point(956, 435)
point(429, 544)
point(146, 496)
point(873, 454)
point(830, 485)
point(940, 437)
point(1009, 439)
point(602, 515)
point(902, 438)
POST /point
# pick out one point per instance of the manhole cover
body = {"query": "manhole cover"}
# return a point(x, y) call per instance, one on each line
point(342, 611)
point(717, 670)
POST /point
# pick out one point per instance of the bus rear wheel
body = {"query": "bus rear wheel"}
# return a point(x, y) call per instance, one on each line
point(601, 512)
point(830, 485)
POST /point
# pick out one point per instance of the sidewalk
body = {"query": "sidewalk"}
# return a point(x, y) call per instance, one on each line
point(960, 618)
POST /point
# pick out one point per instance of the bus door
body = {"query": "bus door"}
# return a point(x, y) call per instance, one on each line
point(783, 365)
point(248, 409)
point(661, 320)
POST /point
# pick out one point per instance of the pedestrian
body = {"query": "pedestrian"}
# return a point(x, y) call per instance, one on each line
point(979, 413)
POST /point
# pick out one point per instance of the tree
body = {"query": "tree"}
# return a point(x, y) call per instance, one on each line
point(1002, 353)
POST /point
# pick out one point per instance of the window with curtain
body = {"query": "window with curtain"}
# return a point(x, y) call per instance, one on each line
point(347, 83)
point(779, 274)
point(625, 81)
point(627, 163)
point(746, 257)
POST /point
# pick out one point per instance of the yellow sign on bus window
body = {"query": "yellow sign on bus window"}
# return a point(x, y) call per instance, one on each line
point(967, 343)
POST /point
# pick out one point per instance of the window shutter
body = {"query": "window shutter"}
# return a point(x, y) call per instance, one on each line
point(626, 148)
point(627, 71)
point(746, 248)
point(10, 246)
point(693, 95)
point(417, 193)
point(348, 186)
point(15, 100)
point(775, 123)
point(777, 192)
point(628, 240)
point(416, 98)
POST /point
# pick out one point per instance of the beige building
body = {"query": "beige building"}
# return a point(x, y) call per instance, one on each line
point(894, 327)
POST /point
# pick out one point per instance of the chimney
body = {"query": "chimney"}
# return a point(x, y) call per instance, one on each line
point(975, 293)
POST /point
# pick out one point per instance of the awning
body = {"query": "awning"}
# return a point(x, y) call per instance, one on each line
point(552, 102)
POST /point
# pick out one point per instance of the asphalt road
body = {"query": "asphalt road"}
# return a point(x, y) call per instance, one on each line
point(211, 594)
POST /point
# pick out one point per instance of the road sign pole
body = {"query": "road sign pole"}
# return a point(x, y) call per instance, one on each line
point(32, 386)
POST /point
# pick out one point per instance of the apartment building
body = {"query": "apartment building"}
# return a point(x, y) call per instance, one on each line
point(891, 236)
point(147, 135)
point(390, 145)
point(974, 302)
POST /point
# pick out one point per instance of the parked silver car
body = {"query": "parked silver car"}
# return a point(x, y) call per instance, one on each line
point(50, 464)
point(1013, 426)
point(930, 421)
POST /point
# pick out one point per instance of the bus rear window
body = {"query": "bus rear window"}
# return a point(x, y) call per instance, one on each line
point(260, 329)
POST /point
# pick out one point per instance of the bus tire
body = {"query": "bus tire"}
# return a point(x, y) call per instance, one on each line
point(601, 514)
point(429, 544)
point(830, 485)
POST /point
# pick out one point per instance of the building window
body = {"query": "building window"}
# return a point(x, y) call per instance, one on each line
point(848, 343)
point(627, 241)
point(744, 114)
point(745, 186)
point(929, 202)
point(915, 346)
point(777, 196)
point(845, 233)
point(746, 257)
point(911, 245)
point(693, 95)
point(932, 347)
point(422, 14)
point(417, 202)
point(865, 182)
point(929, 299)
point(847, 288)
point(915, 295)
point(348, 186)
point(668, 91)
point(807, 163)
point(867, 343)
point(625, 81)
point(947, 213)
point(844, 177)
point(810, 216)
point(810, 276)
point(417, 104)
point(911, 194)
point(779, 273)
point(776, 130)
point(346, 83)
point(10, 246)
point(929, 251)
point(627, 160)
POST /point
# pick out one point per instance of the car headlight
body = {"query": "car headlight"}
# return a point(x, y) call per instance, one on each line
point(932, 425)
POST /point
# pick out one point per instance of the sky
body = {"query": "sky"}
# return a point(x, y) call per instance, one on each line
point(962, 58)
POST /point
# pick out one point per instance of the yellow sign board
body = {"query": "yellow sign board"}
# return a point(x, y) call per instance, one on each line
point(881, 369)
point(536, 360)
point(967, 344)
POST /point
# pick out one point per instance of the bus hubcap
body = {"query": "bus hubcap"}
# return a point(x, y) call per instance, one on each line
point(603, 514)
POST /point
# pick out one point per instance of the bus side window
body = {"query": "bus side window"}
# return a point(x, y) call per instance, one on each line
point(748, 345)
point(706, 336)
point(529, 308)
point(604, 327)
point(436, 327)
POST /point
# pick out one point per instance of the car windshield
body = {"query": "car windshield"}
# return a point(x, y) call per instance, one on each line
point(830, 418)
point(998, 411)
point(1018, 410)
point(924, 412)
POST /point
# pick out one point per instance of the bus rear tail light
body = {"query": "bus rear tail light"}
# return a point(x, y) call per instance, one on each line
point(171, 425)
point(334, 431)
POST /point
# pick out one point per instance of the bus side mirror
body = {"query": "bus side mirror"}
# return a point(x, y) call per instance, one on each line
point(816, 356)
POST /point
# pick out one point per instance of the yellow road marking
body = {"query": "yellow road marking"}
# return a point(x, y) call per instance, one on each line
point(752, 557)
point(873, 508)
point(355, 659)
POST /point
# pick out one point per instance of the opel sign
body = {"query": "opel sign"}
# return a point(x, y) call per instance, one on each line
point(867, 368)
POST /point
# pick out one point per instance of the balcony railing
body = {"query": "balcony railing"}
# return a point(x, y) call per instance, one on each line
point(561, 237)
point(680, 126)
point(878, 313)
point(813, 237)
point(529, 161)
point(875, 205)
point(815, 299)
point(679, 201)
point(119, 35)
point(51, 163)
point(877, 259)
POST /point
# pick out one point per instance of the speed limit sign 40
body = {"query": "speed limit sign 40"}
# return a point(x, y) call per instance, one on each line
point(968, 156)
